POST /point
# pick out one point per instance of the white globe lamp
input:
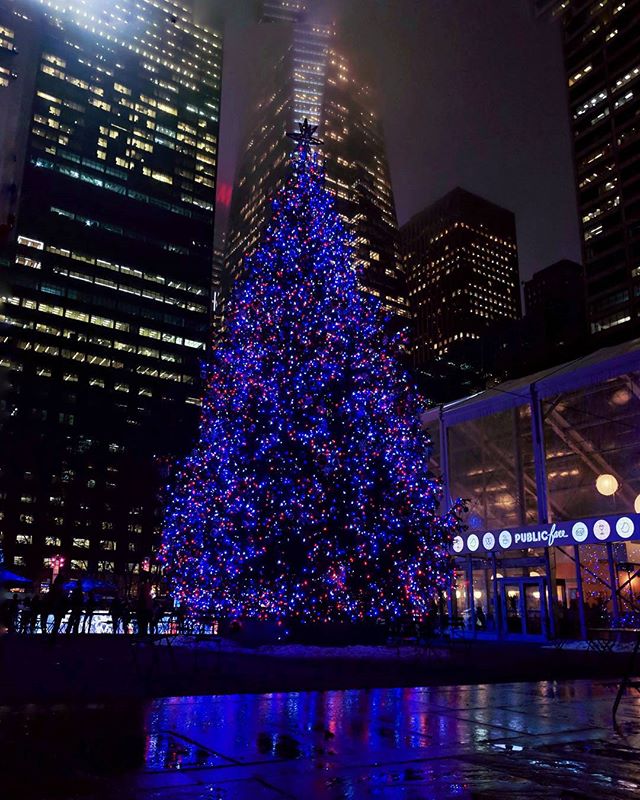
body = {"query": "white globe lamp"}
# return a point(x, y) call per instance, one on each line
point(607, 484)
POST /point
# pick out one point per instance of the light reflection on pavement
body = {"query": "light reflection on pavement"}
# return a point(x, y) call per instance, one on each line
point(552, 740)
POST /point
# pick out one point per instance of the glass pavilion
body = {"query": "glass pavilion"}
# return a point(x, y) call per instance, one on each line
point(550, 466)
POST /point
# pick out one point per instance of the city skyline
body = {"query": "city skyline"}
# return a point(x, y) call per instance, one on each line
point(320, 427)
point(471, 74)
point(109, 179)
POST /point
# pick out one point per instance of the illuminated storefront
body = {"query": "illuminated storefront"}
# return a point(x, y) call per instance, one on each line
point(550, 466)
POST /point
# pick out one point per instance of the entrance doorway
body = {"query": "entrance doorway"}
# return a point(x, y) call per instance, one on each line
point(523, 606)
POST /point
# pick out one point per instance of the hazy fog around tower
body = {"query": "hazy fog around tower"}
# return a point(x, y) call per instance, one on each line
point(467, 97)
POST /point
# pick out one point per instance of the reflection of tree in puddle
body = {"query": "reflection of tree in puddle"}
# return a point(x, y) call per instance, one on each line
point(166, 751)
point(280, 745)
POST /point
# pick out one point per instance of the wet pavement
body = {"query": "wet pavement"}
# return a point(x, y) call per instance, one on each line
point(548, 739)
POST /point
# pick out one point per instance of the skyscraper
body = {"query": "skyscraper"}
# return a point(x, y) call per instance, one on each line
point(550, 290)
point(109, 264)
point(282, 10)
point(461, 262)
point(555, 324)
point(601, 41)
point(292, 92)
point(313, 80)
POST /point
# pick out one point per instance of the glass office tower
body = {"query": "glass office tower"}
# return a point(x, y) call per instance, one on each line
point(109, 268)
point(312, 79)
point(601, 42)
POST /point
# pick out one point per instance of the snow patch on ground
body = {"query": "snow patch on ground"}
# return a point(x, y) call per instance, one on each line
point(616, 647)
point(355, 652)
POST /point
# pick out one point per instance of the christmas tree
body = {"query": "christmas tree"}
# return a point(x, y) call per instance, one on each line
point(308, 495)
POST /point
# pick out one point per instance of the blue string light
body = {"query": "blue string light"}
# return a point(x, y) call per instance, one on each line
point(308, 495)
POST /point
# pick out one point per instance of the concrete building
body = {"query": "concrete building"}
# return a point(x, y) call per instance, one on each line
point(555, 324)
point(461, 263)
point(554, 287)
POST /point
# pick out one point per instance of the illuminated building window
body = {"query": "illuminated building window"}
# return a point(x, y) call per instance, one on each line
point(28, 262)
point(82, 544)
point(77, 82)
point(55, 73)
point(6, 75)
point(28, 242)
point(53, 541)
point(54, 60)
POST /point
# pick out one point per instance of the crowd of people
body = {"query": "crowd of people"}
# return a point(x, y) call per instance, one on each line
point(72, 611)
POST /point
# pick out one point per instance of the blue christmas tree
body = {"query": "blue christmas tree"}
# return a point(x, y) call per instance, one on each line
point(308, 495)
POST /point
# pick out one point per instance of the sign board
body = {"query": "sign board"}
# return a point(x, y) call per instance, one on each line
point(594, 530)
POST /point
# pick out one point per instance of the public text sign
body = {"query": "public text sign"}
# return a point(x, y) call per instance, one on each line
point(594, 530)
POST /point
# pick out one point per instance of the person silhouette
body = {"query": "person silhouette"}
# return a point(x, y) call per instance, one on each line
point(10, 613)
point(77, 604)
point(57, 603)
point(117, 613)
point(144, 609)
point(36, 612)
point(89, 612)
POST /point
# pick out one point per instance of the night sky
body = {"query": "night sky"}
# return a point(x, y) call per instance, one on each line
point(471, 93)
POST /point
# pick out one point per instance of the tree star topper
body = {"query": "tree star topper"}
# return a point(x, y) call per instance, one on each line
point(306, 135)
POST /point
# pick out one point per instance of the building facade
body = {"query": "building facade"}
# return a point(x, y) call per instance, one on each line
point(550, 467)
point(461, 264)
point(281, 10)
point(555, 309)
point(109, 272)
point(601, 42)
point(314, 81)
point(553, 287)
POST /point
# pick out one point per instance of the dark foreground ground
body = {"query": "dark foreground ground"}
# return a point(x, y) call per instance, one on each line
point(528, 740)
point(90, 668)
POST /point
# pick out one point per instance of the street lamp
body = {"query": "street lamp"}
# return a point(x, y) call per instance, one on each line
point(57, 563)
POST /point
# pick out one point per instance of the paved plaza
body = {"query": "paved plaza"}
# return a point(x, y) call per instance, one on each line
point(548, 739)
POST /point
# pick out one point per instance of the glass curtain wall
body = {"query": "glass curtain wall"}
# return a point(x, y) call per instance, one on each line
point(589, 465)
point(592, 438)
